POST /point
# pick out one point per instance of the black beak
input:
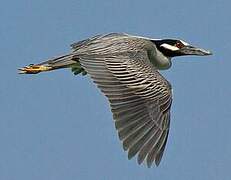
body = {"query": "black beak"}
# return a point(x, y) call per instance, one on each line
point(190, 50)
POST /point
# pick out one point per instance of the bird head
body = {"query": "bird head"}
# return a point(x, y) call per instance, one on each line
point(176, 47)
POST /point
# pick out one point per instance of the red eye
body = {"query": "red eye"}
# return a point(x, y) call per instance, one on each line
point(179, 45)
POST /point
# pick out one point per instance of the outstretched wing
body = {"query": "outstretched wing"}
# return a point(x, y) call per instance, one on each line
point(140, 100)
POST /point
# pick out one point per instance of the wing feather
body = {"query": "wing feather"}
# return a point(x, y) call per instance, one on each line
point(140, 98)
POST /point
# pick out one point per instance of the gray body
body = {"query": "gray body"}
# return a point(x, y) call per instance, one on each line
point(125, 68)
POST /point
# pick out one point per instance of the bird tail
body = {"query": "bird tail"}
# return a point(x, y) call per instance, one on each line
point(65, 61)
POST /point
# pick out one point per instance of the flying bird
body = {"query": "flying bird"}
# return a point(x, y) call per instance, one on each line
point(126, 69)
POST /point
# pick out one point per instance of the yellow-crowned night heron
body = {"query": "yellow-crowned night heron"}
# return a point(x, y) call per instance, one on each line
point(125, 68)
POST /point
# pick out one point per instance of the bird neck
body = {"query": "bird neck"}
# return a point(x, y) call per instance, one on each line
point(159, 60)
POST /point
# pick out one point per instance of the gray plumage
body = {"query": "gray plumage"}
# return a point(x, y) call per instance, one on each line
point(139, 96)
point(125, 68)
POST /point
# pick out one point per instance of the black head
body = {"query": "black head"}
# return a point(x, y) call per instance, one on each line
point(175, 47)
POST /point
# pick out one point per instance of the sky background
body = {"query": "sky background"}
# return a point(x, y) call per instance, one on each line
point(56, 126)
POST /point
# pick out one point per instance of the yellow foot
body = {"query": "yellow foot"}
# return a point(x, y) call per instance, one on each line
point(34, 69)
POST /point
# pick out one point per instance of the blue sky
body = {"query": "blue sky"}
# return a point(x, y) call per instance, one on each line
point(57, 126)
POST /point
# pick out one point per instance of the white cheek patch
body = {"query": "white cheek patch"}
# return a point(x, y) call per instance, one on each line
point(170, 47)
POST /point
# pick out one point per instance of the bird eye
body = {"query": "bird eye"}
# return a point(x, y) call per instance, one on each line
point(179, 45)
